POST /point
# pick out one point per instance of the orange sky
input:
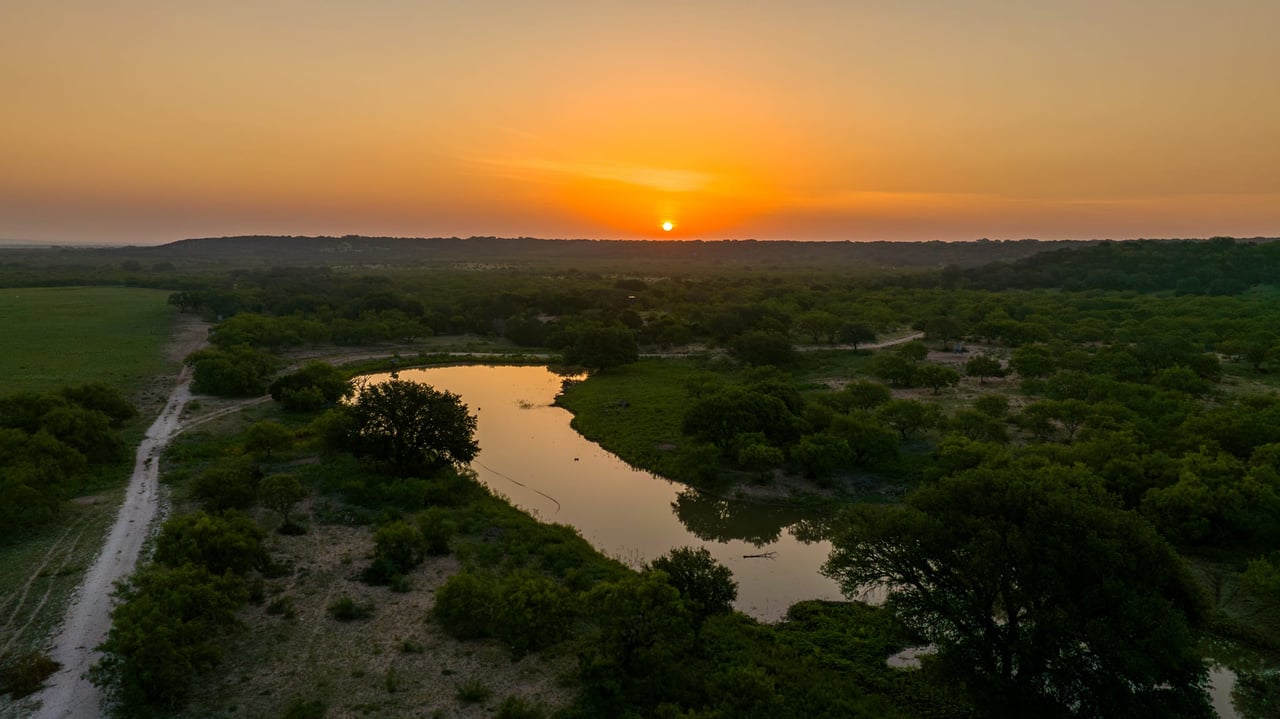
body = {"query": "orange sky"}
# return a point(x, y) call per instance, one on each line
point(146, 121)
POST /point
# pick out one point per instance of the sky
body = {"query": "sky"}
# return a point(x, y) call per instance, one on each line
point(148, 121)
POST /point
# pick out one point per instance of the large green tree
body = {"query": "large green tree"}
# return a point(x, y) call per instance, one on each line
point(411, 426)
point(1045, 598)
point(602, 347)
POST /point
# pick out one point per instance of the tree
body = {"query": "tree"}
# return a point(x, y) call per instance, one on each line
point(913, 351)
point(983, 366)
point(164, 630)
point(103, 398)
point(894, 369)
point(862, 395)
point(856, 333)
point(232, 485)
point(229, 542)
point(88, 431)
point(992, 405)
point(267, 436)
point(720, 417)
point(907, 416)
point(763, 348)
point(820, 455)
point(1040, 593)
point(759, 458)
point(315, 386)
point(411, 426)
point(239, 371)
point(1033, 361)
point(641, 619)
point(936, 376)
point(705, 585)
point(979, 426)
point(279, 492)
point(820, 325)
point(602, 347)
point(867, 438)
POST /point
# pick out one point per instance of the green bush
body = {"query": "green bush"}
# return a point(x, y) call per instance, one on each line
point(346, 609)
point(164, 631)
point(398, 548)
point(305, 709)
point(437, 529)
point(514, 707)
point(473, 691)
point(227, 486)
point(282, 606)
point(230, 542)
point(465, 605)
point(24, 674)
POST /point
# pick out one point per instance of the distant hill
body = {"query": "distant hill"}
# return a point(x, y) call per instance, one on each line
point(358, 250)
point(1218, 266)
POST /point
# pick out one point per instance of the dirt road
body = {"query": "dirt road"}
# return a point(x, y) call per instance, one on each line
point(69, 694)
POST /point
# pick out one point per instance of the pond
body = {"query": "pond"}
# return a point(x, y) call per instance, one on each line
point(530, 454)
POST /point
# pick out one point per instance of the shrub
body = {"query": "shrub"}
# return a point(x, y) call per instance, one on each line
point(437, 529)
point(282, 606)
point(305, 709)
point(24, 674)
point(473, 691)
point(514, 707)
point(164, 631)
point(465, 605)
point(229, 542)
point(229, 486)
point(398, 547)
point(347, 609)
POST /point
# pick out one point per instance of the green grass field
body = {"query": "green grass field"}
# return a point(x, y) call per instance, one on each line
point(55, 336)
point(635, 411)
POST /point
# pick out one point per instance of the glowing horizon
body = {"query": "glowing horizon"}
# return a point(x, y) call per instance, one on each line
point(140, 122)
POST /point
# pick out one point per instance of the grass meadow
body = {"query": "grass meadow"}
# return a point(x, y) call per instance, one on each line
point(55, 336)
point(635, 411)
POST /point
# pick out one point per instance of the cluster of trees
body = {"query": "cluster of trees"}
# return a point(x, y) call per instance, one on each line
point(171, 614)
point(239, 371)
point(51, 444)
point(1220, 266)
point(1041, 595)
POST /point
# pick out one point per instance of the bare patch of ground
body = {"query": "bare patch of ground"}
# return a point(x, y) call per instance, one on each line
point(397, 663)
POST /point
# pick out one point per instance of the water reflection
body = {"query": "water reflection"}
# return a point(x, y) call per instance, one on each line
point(530, 454)
point(719, 520)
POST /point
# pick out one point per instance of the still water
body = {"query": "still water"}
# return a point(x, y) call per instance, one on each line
point(530, 454)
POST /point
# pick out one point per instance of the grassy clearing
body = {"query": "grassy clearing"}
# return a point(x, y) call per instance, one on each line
point(55, 336)
point(635, 411)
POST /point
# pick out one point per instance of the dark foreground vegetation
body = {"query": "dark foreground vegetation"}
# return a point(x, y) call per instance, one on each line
point(1070, 481)
point(54, 446)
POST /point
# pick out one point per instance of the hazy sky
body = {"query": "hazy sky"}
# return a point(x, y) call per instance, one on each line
point(153, 120)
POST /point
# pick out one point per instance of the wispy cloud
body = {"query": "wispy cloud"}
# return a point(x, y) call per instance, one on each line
point(656, 178)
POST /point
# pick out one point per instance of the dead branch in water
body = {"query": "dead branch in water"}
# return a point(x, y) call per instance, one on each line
point(762, 555)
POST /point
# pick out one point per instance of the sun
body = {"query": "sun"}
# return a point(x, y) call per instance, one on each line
point(668, 226)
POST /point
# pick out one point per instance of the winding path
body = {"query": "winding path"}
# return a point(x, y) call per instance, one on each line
point(69, 694)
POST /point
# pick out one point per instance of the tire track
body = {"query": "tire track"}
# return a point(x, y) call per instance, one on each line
point(67, 556)
point(18, 599)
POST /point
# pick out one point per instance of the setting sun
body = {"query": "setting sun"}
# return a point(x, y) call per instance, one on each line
point(668, 226)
